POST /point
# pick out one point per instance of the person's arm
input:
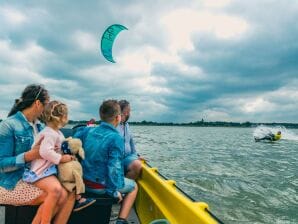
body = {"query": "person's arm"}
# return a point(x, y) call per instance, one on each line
point(8, 160)
point(131, 141)
point(47, 149)
point(271, 136)
point(115, 179)
point(132, 145)
point(81, 133)
point(133, 149)
point(34, 152)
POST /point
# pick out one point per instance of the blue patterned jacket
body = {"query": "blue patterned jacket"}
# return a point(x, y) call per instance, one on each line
point(16, 138)
point(104, 153)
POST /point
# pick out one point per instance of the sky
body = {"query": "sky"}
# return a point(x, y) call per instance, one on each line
point(179, 61)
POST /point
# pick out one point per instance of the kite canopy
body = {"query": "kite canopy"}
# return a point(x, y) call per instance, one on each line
point(108, 38)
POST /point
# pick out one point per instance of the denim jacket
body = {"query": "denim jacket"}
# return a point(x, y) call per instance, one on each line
point(16, 138)
point(104, 153)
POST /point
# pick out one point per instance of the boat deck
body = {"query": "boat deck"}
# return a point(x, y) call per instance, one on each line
point(132, 219)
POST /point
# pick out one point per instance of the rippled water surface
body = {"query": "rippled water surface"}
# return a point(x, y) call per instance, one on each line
point(241, 180)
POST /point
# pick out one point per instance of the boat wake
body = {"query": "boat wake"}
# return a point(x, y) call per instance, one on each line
point(263, 130)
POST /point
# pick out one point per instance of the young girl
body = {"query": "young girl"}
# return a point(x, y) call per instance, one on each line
point(42, 172)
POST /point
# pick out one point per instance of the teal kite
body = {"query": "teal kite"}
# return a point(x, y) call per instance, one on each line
point(108, 38)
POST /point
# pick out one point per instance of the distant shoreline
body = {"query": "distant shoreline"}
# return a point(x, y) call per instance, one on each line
point(201, 124)
point(198, 124)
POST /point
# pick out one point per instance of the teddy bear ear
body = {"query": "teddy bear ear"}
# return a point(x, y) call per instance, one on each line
point(69, 138)
point(81, 153)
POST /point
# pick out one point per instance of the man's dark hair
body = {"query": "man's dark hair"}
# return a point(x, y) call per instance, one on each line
point(108, 110)
point(123, 104)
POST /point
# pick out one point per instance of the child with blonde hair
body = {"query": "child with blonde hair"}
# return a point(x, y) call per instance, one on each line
point(43, 172)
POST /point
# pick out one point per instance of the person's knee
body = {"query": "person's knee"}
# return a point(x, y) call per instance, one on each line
point(63, 197)
point(134, 170)
point(56, 191)
point(136, 166)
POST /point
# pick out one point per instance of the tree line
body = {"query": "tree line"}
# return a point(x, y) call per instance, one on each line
point(201, 123)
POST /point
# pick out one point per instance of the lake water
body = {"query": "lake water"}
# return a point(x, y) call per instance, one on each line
point(242, 181)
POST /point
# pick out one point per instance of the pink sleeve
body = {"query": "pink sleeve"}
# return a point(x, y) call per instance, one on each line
point(47, 149)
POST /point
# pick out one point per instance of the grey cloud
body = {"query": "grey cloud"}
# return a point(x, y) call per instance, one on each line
point(262, 61)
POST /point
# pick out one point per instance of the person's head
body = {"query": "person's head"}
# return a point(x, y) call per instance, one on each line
point(55, 113)
point(279, 132)
point(125, 110)
point(91, 121)
point(109, 111)
point(34, 96)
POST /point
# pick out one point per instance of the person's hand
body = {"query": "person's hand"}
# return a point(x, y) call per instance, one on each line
point(57, 148)
point(66, 158)
point(33, 153)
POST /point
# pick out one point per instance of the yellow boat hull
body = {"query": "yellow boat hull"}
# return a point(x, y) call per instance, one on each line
point(160, 199)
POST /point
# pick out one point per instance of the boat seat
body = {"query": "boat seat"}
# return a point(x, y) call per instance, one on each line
point(99, 211)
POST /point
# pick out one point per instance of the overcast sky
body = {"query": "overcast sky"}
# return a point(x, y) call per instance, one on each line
point(219, 60)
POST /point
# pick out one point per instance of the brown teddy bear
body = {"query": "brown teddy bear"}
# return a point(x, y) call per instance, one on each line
point(70, 174)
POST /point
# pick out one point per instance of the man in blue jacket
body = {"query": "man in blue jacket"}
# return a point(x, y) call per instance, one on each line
point(103, 164)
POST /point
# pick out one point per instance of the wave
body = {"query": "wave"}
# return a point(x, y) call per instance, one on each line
point(263, 130)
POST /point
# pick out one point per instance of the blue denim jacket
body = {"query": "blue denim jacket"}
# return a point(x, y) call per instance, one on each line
point(16, 138)
point(125, 132)
point(104, 153)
